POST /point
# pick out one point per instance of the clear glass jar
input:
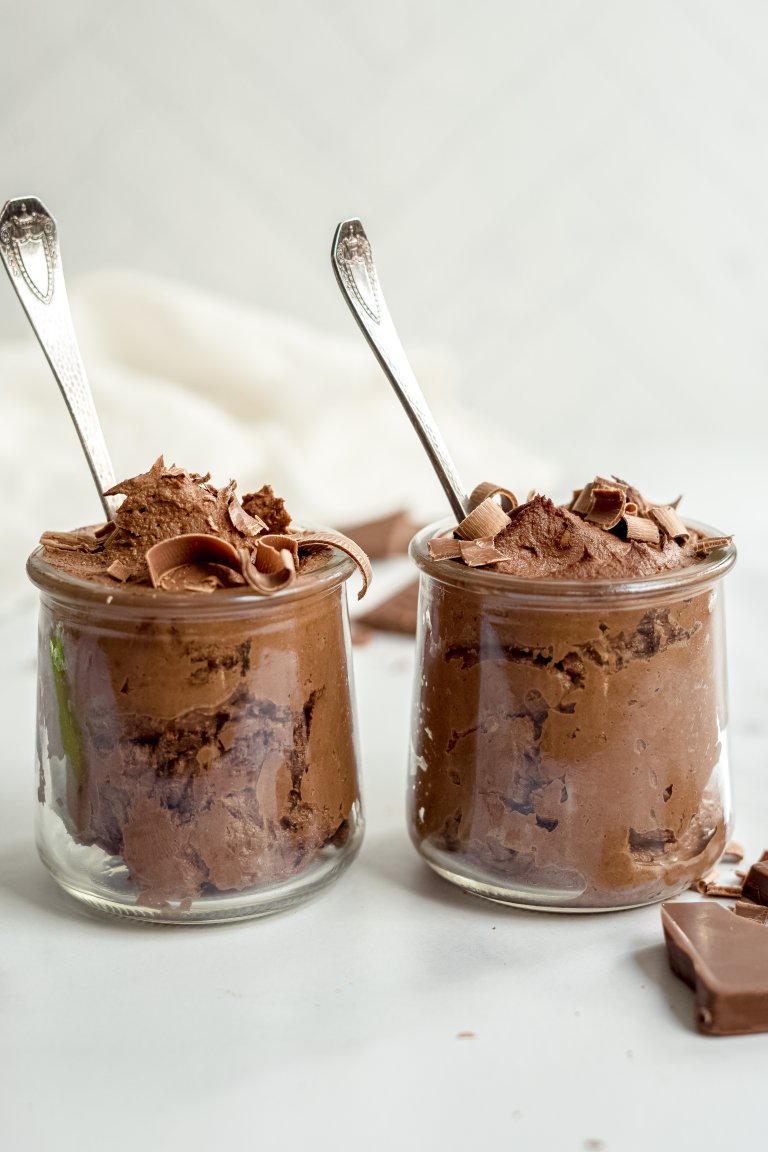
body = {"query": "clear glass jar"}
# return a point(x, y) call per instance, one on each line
point(568, 737)
point(197, 755)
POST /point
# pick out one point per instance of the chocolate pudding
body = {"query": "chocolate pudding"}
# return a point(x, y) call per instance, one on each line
point(195, 713)
point(568, 742)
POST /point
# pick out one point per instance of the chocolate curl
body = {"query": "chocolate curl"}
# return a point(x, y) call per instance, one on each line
point(485, 520)
point(271, 568)
point(711, 543)
point(331, 539)
point(642, 529)
point(733, 853)
point(582, 499)
point(488, 491)
point(444, 548)
point(670, 523)
point(172, 562)
point(607, 506)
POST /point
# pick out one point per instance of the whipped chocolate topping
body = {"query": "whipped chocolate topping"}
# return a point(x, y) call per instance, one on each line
point(570, 754)
point(211, 750)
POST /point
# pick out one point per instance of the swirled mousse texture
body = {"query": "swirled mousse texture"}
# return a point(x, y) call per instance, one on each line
point(211, 748)
point(569, 752)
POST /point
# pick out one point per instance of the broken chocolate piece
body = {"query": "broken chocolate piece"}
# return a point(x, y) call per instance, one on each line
point(756, 884)
point(384, 537)
point(398, 613)
point(476, 553)
point(724, 958)
point(444, 548)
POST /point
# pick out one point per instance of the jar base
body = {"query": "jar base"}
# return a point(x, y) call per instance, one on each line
point(115, 896)
point(516, 898)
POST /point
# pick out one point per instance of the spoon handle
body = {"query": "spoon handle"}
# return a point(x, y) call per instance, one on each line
point(356, 274)
point(29, 249)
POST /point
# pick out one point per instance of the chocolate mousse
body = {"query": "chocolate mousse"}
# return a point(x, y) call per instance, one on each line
point(568, 739)
point(196, 717)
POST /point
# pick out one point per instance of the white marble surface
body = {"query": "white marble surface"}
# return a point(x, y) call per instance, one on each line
point(336, 1025)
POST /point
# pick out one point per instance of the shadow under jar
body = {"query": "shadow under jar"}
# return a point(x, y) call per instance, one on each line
point(197, 755)
point(568, 738)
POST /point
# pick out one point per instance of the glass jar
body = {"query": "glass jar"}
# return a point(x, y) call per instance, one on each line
point(197, 755)
point(568, 738)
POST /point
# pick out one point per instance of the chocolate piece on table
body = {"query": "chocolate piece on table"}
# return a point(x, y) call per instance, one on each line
point(756, 884)
point(385, 537)
point(724, 958)
point(395, 614)
point(751, 911)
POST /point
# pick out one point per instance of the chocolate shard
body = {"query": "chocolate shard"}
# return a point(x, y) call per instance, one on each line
point(756, 884)
point(724, 958)
point(444, 548)
point(478, 553)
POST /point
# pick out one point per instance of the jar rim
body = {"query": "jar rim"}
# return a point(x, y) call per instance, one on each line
point(584, 590)
point(224, 601)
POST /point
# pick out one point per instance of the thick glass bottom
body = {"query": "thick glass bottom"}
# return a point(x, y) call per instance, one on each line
point(540, 898)
point(103, 884)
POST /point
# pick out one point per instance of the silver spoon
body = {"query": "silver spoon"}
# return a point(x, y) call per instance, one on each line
point(29, 249)
point(356, 274)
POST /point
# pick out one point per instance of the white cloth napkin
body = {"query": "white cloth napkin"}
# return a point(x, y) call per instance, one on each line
point(221, 386)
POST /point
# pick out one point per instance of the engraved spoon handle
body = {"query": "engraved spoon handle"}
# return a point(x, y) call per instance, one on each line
point(356, 275)
point(29, 249)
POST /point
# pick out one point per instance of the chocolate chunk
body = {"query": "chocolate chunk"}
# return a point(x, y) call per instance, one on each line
point(756, 884)
point(724, 958)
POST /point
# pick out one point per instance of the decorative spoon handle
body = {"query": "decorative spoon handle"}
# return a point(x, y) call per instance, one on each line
point(29, 249)
point(356, 274)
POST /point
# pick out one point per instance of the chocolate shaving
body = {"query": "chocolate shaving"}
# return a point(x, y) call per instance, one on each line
point(721, 890)
point(488, 491)
point(639, 528)
point(337, 540)
point(444, 548)
point(669, 522)
point(476, 553)
point(272, 568)
point(607, 507)
point(190, 562)
point(487, 519)
point(708, 544)
point(733, 853)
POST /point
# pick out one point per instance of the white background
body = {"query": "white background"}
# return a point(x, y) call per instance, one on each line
point(567, 203)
